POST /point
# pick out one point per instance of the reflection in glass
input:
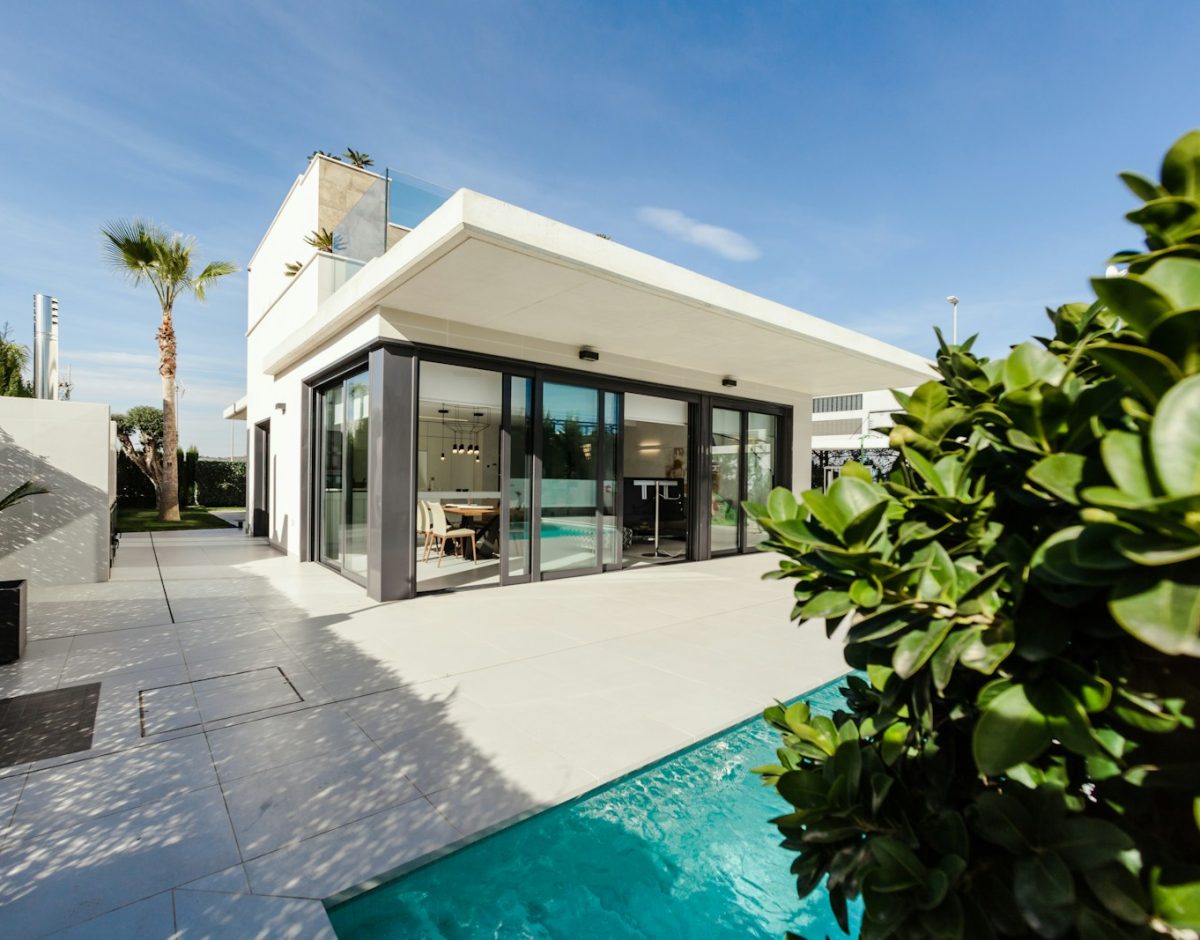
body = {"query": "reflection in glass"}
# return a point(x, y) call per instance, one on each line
point(612, 428)
point(356, 395)
point(570, 441)
point(726, 463)
point(520, 474)
point(655, 470)
point(760, 467)
point(332, 503)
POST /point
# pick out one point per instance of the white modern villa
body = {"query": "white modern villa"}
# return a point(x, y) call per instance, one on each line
point(465, 393)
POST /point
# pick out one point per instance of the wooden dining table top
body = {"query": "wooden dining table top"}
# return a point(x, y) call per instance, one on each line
point(467, 510)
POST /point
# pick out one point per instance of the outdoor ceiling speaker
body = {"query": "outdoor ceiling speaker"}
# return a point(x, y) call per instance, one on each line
point(587, 354)
point(729, 381)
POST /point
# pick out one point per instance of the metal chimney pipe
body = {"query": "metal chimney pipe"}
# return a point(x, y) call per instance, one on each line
point(52, 355)
point(44, 316)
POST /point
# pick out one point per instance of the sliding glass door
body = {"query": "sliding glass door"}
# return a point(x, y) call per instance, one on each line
point(570, 519)
point(744, 465)
point(342, 519)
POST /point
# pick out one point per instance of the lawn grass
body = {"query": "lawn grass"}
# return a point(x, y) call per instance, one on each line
point(146, 520)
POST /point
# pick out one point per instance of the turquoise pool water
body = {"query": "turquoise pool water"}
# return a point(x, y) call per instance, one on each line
point(681, 849)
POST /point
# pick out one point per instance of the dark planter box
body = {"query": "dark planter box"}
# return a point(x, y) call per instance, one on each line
point(12, 620)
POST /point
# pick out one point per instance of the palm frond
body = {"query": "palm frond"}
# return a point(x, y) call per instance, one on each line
point(28, 488)
point(212, 271)
point(292, 268)
point(358, 158)
point(324, 240)
point(130, 247)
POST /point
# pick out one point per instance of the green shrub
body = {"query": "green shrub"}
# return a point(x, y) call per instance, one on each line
point(134, 489)
point(1022, 757)
point(221, 482)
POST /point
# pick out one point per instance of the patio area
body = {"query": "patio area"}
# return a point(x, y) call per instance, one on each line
point(267, 736)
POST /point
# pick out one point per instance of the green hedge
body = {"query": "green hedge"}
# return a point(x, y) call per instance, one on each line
point(221, 482)
point(218, 483)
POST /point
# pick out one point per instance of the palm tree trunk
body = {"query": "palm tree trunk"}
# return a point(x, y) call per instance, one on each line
point(168, 490)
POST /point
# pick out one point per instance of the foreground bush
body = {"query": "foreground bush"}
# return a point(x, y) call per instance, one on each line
point(1022, 758)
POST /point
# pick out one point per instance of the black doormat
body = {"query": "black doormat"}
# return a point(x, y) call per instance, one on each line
point(47, 724)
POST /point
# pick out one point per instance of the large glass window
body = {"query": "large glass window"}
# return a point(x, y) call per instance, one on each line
point(571, 439)
point(342, 518)
point(744, 466)
point(655, 485)
point(520, 478)
point(357, 398)
point(725, 512)
point(458, 525)
point(760, 467)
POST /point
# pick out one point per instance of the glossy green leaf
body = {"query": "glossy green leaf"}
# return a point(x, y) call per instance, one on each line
point(1088, 843)
point(827, 604)
point(1125, 461)
point(1004, 821)
point(1154, 550)
point(1044, 891)
point(1140, 186)
point(865, 593)
point(1177, 279)
point(1030, 363)
point(1120, 892)
point(1009, 731)
point(1181, 167)
point(1139, 304)
point(1175, 439)
point(1147, 372)
point(915, 648)
point(781, 504)
point(1059, 475)
point(852, 468)
point(1161, 607)
point(1177, 336)
point(1175, 894)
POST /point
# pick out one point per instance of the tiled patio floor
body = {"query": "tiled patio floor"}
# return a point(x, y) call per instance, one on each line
point(267, 736)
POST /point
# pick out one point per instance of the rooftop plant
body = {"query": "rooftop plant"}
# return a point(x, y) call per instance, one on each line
point(1019, 753)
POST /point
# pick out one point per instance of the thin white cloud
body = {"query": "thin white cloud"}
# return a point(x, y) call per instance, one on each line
point(722, 241)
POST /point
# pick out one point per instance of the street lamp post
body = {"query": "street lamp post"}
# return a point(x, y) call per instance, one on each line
point(953, 302)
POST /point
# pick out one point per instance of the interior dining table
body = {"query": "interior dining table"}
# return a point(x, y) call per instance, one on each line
point(478, 514)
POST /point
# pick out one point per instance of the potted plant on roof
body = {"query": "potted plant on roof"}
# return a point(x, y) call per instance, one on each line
point(13, 593)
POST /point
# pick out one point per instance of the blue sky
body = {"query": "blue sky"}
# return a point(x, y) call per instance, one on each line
point(858, 161)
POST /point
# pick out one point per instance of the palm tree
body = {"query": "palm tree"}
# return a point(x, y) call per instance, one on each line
point(145, 252)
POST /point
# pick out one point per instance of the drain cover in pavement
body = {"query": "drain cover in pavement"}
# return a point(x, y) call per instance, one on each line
point(47, 724)
point(188, 704)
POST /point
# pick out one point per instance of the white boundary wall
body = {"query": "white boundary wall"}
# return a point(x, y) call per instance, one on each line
point(68, 447)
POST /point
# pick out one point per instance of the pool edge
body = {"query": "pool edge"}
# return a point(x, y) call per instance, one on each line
point(398, 871)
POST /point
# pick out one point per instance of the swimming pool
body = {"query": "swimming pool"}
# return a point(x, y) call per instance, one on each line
point(679, 849)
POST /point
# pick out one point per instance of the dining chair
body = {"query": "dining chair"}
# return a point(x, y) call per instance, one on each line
point(423, 525)
point(441, 532)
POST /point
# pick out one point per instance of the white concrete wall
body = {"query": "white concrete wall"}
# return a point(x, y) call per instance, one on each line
point(63, 536)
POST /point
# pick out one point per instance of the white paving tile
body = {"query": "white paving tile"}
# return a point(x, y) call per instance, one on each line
point(149, 919)
point(98, 786)
point(283, 739)
point(230, 880)
point(79, 872)
point(283, 804)
point(203, 915)
point(329, 863)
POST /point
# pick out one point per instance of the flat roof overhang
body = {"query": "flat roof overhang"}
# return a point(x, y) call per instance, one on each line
point(236, 411)
point(478, 263)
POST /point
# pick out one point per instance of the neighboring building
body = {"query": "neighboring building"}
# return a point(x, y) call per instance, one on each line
point(851, 426)
point(566, 403)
